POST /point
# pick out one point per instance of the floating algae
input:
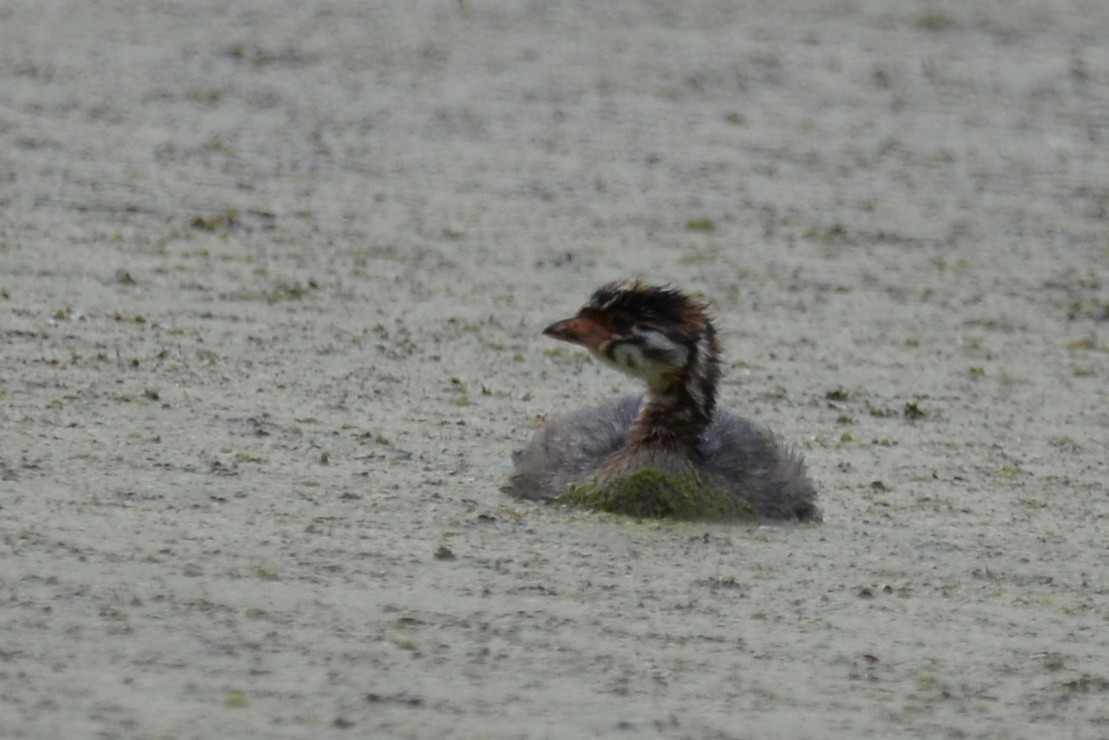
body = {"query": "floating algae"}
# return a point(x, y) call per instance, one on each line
point(651, 493)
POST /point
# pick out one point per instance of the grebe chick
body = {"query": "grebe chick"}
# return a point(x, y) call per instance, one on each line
point(665, 338)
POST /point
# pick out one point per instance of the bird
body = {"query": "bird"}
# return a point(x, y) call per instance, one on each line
point(666, 339)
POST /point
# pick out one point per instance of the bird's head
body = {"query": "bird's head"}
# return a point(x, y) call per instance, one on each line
point(657, 334)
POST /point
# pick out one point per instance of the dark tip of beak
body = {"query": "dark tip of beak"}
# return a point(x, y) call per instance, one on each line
point(561, 330)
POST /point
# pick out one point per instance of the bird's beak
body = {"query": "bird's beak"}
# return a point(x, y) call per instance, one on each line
point(579, 330)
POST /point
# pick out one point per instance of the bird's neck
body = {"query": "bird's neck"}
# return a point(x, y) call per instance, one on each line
point(669, 417)
point(676, 409)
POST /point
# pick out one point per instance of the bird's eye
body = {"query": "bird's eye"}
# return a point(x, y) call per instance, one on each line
point(620, 324)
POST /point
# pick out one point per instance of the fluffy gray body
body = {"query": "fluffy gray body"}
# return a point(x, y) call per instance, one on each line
point(733, 455)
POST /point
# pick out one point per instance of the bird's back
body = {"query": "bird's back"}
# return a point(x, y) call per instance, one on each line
point(751, 464)
point(734, 455)
point(570, 449)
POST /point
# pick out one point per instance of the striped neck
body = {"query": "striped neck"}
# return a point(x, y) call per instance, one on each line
point(677, 408)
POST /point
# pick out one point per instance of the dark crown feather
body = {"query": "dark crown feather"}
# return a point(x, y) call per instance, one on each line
point(661, 303)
